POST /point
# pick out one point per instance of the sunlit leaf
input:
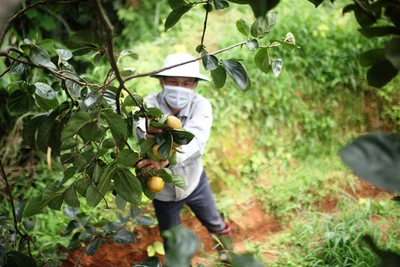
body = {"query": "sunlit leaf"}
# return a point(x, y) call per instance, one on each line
point(263, 25)
point(210, 62)
point(252, 45)
point(237, 72)
point(243, 27)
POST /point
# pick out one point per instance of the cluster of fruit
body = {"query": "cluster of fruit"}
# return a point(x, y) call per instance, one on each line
point(155, 183)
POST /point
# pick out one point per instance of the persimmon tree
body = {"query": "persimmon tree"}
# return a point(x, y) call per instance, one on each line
point(88, 125)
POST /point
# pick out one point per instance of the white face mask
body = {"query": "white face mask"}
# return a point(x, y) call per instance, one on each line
point(177, 97)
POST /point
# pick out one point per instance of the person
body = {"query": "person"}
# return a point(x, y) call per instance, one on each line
point(179, 99)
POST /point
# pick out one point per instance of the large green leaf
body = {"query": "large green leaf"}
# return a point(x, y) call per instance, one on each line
point(262, 61)
point(237, 72)
point(381, 73)
point(263, 25)
point(44, 131)
point(35, 206)
point(174, 4)
point(175, 16)
point(95, 194)
point(182, 137)
point(30, 129)
point(56, 202)
point(71, 198)
point(179, 181)
point(128, 157)
point(182, 245)
point(392, 52)
point(39, 56)
point(45, 91)
point(219, 76)
point(46, 104)
point(20, 102)
point(127, 185)
point(74, 124)
point(261, 7)
point(116, 122)
point(375, 158)
point(92, 131)
point(123, 237)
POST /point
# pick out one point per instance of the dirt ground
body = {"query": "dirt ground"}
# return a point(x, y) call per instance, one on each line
point(254, 225)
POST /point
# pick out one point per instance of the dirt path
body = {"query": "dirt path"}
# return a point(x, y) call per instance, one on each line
point(253, 226)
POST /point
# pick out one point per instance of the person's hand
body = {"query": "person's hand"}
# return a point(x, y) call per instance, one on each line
point(152, 132)
point(146, 165)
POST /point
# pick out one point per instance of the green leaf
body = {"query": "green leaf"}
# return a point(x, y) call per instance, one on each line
point(74, 124)
point(71, 198)
point(210, 62)
point(97, 172)
point(83, 40)
point(44, 131)
point(116, 122)
point(81, 186)
point(93, 246)
point(46, 104)
point(123, 237)
point(95, 194)
point(166, 174)
point(128, 157)
point(56, 202)
point(64, 55)
point(276, 65)
point(175, 16)
point(182, 245)
point(72, 225)
point(127, 185)
point(220, 4)
point(372, 57)
point(40, 57)
point(114, 226)
point(237, 72)
point(146, 145)
point(145, 220)
point(154, 112)
point(182, 137)
point(129, 102)
point(262, 61)
point(392, 52)
point(35, 206)
point(28, 225)
point(245, 260)
point(45, 91)
point(371, 32)
point(179, 181)
point(252, 45)
point(316, 2)
point(20, 102)
point(381, 73)
point(243, 27)
point(164, 150)
point(92, 131)
point(174, 4)
point(375, 158)
point(19, 210)
point(19, 259)
point(286, 44)
point(208, 7)
point(219, 76)
point(263, 25)
point(17, 69)
point(120, 202)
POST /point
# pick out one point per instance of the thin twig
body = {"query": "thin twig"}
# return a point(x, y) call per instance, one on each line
point(205, 26)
